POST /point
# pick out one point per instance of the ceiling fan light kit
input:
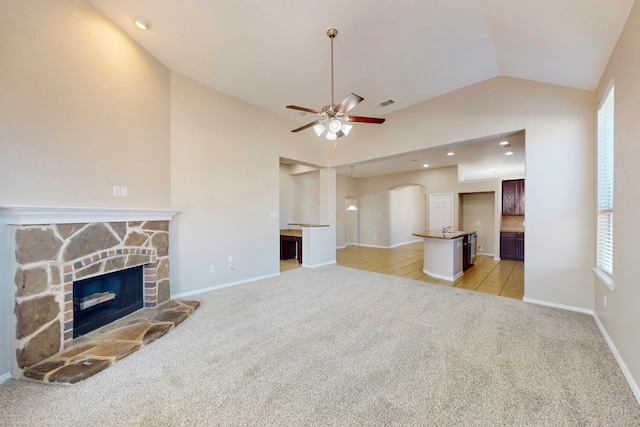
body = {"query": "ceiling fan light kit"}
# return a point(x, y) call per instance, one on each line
point(335, 125)
point(334, 117)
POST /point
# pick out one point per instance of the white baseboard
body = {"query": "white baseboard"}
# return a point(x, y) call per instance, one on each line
point(226, 285)
point(442, 276)
point(623, 366)
point(373, 246)
point(319, 265)
point(560, 306)
point(405, 243)
point(5, 377)
point(378, 246)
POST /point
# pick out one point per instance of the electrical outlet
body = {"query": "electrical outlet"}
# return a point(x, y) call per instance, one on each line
point(479, 248)
point(124, 191)
point(116, 191)
point(604, 301)
point(230, 266)
point(212, 269)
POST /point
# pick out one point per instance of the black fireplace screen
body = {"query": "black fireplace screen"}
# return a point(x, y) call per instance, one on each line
point(100, 300)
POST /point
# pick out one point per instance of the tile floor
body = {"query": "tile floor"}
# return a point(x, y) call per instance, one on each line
point(504, 278)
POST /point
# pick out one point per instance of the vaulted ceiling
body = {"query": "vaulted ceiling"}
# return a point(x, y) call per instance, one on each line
point(275, 53)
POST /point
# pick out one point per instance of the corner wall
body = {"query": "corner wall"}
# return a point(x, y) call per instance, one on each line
point(7, 294)
point(225, 181)
point(620, 318)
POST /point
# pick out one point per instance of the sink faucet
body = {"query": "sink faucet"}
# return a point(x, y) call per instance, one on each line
point(446, 229)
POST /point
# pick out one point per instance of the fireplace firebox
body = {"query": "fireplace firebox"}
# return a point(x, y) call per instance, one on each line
point(100, 300)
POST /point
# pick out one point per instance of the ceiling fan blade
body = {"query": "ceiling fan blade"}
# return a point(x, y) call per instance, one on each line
point(348, 103)
point(308, 125)
point(308, 110)
point(364, 119)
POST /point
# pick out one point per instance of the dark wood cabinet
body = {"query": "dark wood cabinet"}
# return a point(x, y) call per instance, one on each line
point(519, 246)
point(513, 197)
point(512, 246)
point(291, 247)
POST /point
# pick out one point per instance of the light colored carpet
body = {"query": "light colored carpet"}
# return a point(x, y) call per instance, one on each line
point(336, 346)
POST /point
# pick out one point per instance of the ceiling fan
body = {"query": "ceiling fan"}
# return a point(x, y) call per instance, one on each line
point(335, 116)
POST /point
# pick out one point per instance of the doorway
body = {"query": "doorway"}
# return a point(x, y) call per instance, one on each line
point(351, 221)
point(440, 211)
point(477, 213)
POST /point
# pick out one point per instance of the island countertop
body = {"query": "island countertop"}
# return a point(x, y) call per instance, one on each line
point(291, 232)
point(437, 234)
point(308, 225)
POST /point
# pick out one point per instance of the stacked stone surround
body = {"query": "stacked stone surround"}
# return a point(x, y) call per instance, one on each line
point(49, 258)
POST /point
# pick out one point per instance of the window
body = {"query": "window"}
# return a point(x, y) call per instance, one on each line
point(604, 256)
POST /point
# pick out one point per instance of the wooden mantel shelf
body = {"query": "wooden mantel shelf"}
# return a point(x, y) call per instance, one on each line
point(31, 215)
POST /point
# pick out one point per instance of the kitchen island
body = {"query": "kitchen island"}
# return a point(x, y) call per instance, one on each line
point(443, 253)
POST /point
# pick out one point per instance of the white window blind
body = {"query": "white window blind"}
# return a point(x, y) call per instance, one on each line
point(604, 257)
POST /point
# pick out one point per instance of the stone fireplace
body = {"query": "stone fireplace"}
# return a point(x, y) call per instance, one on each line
point(56, 247)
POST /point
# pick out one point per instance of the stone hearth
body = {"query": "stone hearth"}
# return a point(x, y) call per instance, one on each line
point(103, 347)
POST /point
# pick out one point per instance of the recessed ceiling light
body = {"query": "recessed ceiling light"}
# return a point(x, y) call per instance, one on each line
point(450, 153)
point(425, 165)
point(141, 22)
point(505, 143)
point(508, 153)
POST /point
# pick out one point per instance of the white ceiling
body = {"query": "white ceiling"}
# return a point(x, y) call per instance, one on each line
point(275, 53)
point(478, 159)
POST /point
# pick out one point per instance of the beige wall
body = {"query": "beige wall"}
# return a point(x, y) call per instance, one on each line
point(226, 183)
point(621, 317)
point(83, 108)
point(299, 197)
point(406, 213)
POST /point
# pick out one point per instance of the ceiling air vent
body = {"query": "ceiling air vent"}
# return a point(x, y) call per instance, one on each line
point(385, 103)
